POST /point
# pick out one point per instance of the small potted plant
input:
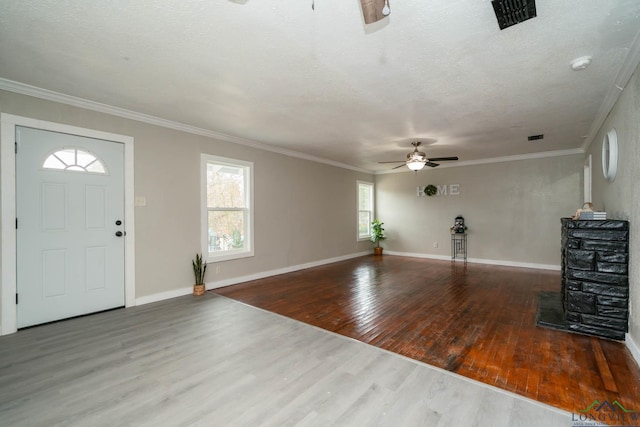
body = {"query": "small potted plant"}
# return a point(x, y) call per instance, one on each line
point(458, 226)
point(377, 234)
point(199, 269)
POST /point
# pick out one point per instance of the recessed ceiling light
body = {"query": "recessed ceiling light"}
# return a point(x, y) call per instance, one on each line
point(580, 63)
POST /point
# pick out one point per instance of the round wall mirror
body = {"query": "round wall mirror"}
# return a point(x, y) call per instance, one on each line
point(610, 155)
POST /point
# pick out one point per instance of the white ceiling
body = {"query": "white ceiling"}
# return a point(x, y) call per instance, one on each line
point(322, 83)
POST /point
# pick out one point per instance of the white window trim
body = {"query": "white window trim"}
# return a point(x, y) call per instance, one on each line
point(373, 204)
point(228, 255)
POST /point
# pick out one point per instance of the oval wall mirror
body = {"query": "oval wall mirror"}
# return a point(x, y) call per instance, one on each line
point(610, 155)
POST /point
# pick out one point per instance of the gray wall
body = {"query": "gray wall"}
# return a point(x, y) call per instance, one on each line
point(512, 209)
point(621, 198)
point(304, 211)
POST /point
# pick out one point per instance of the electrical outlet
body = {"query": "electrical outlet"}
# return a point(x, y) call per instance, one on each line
point(435, 244)
point(217, 269)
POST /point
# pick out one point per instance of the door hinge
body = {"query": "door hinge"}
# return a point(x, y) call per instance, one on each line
point(15, 147)
point(16, 223)
point(16, 298)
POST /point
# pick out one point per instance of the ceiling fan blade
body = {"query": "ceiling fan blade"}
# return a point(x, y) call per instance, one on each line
point(397, 161)
point(372, 10)
point(442, 159)
point(433, 165)
point(399, 166)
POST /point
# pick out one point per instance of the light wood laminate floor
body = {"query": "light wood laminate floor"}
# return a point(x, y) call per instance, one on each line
point(476, 320)
point(212, 361)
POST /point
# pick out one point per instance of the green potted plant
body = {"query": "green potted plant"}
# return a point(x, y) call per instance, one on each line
point(199, 269)
point(377, 234)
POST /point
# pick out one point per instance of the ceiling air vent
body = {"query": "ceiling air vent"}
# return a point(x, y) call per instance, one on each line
point(535, 137)
point(512, 12)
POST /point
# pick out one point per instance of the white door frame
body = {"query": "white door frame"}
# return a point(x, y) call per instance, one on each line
point(8, 123)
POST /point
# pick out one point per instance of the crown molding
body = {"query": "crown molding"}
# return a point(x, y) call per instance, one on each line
point(629, 66)
point(540, 155)
point(25, 89)
point(49, 95)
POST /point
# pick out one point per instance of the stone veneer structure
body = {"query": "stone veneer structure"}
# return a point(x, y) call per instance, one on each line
point(595, 277)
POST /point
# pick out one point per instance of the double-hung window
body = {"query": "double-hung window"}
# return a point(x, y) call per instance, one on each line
point(227, 188)
point(365, 209)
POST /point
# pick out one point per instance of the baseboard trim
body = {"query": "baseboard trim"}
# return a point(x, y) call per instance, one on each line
point(164, 295)
point(262, 275)
point(633, 347)
point(235, 280)
point(479, 261)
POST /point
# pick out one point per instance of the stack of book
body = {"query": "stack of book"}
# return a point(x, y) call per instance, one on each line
point(593, 215)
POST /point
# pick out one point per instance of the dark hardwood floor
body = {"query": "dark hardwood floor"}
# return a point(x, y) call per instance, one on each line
point(475, 320)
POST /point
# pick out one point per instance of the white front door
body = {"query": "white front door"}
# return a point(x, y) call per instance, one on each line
point(70, 225)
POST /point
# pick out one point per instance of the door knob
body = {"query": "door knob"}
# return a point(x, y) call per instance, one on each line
point(118, 222)
point(119, 233)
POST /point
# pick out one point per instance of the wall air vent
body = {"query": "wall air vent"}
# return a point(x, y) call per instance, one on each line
point(535, 137)
point(512, 12)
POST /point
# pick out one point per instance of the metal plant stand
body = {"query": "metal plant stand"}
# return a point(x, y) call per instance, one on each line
point(459, 246)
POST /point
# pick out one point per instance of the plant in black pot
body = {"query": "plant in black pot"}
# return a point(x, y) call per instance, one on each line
point(377, 235)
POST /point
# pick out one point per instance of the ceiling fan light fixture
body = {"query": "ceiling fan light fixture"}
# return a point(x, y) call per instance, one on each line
point(386, 10)
point(416, 160)
point(415, 165)
point(417, 155)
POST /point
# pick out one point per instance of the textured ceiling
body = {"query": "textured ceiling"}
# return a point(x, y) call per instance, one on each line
point(322, 83)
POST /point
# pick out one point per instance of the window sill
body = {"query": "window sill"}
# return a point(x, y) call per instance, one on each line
point(228, 256)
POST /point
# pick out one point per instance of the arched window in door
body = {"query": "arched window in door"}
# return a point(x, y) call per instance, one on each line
point(74, 160)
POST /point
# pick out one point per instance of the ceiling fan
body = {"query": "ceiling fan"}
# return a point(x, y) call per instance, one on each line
point(416, 160)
